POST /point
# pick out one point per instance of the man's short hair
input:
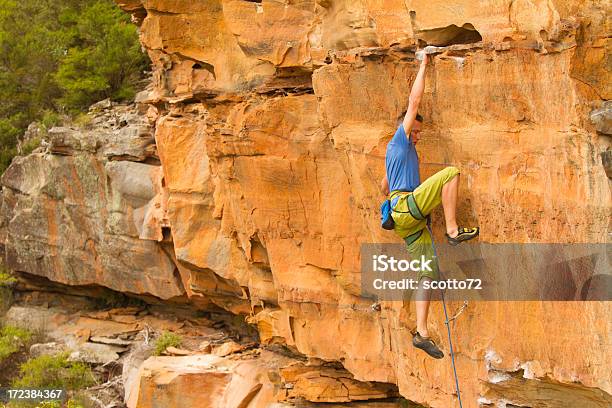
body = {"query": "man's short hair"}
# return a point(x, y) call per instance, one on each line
point(418, 118)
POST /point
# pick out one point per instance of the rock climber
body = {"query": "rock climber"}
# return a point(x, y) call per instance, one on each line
point(413, 201)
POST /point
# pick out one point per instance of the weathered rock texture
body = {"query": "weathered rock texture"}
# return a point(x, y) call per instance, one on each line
point(251, 381)
point(271, 120)
point(81, 214)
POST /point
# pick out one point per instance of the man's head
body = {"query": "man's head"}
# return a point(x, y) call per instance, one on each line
point(416, 126)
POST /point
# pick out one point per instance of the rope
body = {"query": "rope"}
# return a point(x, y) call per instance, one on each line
point(452, 352)
point(447, 320)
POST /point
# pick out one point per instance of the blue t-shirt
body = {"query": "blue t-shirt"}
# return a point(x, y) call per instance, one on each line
point(402, 162)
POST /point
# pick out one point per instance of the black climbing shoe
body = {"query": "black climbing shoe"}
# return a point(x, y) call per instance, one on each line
point(427, 344)
point(463, 235)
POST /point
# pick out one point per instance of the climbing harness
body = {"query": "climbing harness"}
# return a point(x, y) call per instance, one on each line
point(447, 320)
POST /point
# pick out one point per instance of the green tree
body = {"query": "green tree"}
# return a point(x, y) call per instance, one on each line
point(105, 61)
point(61, 56)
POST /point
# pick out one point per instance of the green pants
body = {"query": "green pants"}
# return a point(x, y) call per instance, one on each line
point(410, 212)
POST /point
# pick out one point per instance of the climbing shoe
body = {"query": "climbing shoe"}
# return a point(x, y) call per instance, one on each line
point(463, 235)
point(427, 344)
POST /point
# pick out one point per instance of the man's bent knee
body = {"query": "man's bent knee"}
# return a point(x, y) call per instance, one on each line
point(453, 171)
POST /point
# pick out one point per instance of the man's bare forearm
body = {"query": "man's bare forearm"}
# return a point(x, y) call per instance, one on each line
point(418, 87)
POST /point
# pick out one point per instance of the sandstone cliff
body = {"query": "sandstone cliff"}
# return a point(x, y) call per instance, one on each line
point(249, 178)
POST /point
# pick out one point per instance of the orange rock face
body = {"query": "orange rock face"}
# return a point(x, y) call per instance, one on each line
point(252, 381)
point(271, 123)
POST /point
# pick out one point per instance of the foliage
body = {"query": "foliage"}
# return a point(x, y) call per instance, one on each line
point(71, 403)
point(12, 339)
point(30, 145)
point(76, 402)
point(59, 56)
point(82, 120)
point(50, 119)
point(7, 281)
point(6, 298)
point(167, 339)
point(54, 371)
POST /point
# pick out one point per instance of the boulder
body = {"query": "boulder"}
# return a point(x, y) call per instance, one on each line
point(96, 353)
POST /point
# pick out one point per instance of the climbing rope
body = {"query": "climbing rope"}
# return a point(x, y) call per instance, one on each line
point(447, 320)
point(450, 343)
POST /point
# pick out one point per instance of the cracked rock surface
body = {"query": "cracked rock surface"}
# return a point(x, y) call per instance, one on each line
point(246, 178)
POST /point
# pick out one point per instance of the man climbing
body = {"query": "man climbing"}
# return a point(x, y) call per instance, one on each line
point(413, 201)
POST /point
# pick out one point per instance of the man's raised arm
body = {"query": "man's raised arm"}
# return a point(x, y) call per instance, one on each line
point(415, 97)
